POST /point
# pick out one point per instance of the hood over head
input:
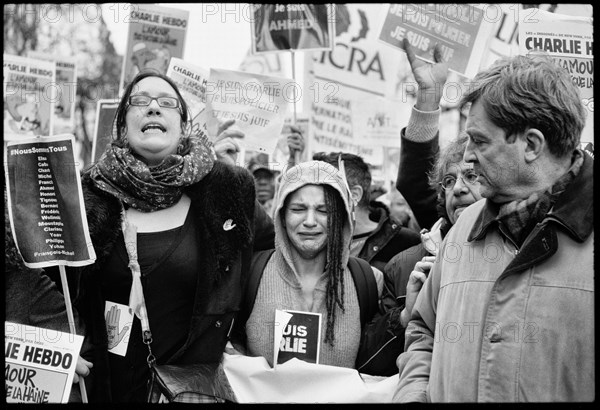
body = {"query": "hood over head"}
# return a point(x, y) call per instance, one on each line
point(311, 173)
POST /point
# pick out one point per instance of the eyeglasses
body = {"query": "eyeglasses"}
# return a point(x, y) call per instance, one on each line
point(449, 181)
point(145, 100)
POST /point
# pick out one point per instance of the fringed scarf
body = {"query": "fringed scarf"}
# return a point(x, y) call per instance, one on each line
point(146, 188)
point(520, 216)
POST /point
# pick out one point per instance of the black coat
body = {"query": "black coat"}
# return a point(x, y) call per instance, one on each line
point(227, 192)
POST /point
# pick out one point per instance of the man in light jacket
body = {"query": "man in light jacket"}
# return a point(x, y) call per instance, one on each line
point(507, 312)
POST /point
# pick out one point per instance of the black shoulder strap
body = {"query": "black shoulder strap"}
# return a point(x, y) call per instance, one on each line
point(366, 288)
point(257, 267)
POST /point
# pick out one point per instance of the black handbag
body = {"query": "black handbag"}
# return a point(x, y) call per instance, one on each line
point(195, 383)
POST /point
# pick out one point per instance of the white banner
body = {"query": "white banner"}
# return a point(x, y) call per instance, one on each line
point(296, 381)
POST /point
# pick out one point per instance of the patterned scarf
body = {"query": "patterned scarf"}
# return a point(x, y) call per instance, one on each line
point(146, 188)
point(520, 216)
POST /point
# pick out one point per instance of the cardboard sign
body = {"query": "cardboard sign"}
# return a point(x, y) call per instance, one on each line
point(297, 335)
point(66, 87)
point(106, 110)
point(280, 27)
point(46, 209)
point(29, 97)
point(359, 68)
point(461, 29)
point(39, 363)
point(155, 35)
point(258, 103)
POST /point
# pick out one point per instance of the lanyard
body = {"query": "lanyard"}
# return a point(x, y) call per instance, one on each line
point(136, 297)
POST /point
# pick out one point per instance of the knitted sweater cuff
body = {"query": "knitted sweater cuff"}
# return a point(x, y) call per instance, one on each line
point(422, 125)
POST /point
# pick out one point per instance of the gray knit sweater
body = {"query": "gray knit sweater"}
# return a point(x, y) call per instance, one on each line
point(280, 285)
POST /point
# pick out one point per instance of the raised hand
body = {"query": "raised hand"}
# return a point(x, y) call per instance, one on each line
point(430, 77)
point(112, 327)
point(226, 146)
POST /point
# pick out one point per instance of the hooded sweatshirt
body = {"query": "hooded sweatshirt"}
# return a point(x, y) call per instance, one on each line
point(280, 286)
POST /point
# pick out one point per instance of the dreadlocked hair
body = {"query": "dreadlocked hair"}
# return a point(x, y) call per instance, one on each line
point(334, 268)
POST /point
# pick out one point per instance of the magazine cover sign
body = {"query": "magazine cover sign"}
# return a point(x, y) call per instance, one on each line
point(39, 363)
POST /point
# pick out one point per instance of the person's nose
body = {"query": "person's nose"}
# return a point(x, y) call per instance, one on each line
point(153, 108)
point(469, 155)
point(310, 220)
point(460, 186)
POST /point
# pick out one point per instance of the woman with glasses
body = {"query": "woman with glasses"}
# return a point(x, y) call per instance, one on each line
point(174, 230)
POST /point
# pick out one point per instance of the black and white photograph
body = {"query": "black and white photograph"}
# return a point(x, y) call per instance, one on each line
point(347, 203)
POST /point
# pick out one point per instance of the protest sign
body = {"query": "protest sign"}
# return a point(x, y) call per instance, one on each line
point(296, 381)
point(569, 40)
point(281, 155)
point(29, 96)
point(119, 321)
point(258, 103)
point(66, 87)
point(462, 31)
point(106, 110)
point(297, 335)
point(39, 363)
point(191, 81)
point(378, 121)
point(279, 27)
point(359, 68)
point(46, 209)
point(155, 35)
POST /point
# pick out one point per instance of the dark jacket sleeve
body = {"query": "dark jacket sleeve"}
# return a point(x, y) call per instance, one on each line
point(396, 274)
point(264, 230)
point(416, 160)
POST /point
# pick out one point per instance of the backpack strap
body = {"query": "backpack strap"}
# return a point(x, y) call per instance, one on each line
point(257, 267)
point(366, 288)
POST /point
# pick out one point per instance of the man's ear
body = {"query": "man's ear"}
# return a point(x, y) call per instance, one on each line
point(356, 192)
point(535, 142)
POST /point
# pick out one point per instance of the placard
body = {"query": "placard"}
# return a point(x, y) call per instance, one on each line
point(46, 208)
point(297, 335)
point(29, 96)
point(106, 110)
point(281, 27)
point(462, 31)
point(257, 103)
point(155, 35)
point(39, 363)
point(66, 88)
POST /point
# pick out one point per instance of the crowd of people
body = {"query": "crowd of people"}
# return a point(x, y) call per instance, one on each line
point(491, 300)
